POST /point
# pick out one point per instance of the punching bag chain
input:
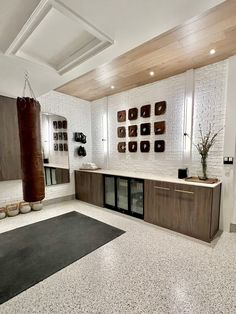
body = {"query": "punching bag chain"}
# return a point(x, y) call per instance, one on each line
point(27, 83)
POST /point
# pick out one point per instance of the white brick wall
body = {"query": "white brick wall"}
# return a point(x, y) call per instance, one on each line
point(78, 114)
point(210, 107)
point(210, 85)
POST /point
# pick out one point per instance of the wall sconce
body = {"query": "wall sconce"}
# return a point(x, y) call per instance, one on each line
point(188, 116)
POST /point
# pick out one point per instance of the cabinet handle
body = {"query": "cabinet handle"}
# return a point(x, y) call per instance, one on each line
point(185, 192)
point(161, 188)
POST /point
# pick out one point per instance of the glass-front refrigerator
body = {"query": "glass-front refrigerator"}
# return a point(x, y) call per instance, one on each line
point(122, 194)
point(136, 197)
point(110, 191)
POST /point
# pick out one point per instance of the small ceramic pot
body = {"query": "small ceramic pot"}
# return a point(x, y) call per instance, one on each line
point(12, 210)
point(2, 212)
point(36, 205)
point(24, 207)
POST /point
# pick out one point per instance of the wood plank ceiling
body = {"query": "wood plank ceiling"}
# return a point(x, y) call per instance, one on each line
point(184, 47)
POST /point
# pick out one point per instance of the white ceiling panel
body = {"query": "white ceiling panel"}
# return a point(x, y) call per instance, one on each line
point(44, 43)
point(13, 15)
point(128, 23)
point(57, 37)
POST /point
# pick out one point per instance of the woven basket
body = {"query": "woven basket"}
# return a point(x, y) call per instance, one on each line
point(24, 207)
point(12, 210)
point(2, 212)
point(36, 205)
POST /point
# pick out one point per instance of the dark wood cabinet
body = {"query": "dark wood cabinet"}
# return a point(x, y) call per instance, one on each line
point(189, 209)
point(159, 208)
point(62, 175)
point(193, 210)
point(89, 187)
point(10, 165)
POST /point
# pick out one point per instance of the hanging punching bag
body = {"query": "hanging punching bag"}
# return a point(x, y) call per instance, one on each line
point(28, 110)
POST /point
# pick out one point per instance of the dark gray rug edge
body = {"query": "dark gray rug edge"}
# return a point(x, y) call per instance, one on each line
point(47, 219)
point(121, 232)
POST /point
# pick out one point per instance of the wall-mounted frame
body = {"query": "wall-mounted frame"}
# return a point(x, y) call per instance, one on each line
point(55, 136)
point(144, 146)
point(60, 136)
point(160, 107)
point(159, 127)
point(121, 116)
point(145, 129)
point(65, 137)
point(64, 124)
point(65, 146)
point(159, 146)
point(55, 147)
point(121, 132)
point(133, 130)
point(121, 147)
point(133, 146)
point(133, 114)
point(55, 125)
point(145, 111)
point(59, 124)
point(61, 147)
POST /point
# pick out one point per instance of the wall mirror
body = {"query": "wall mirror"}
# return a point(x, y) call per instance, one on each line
point(55, 149)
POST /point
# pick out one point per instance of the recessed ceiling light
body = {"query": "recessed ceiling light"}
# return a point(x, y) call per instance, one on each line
point(212, 51)
point(112, 86)
point(152, 73)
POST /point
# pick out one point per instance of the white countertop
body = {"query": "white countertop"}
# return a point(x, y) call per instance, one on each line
point(150, 176)
point(56, 166)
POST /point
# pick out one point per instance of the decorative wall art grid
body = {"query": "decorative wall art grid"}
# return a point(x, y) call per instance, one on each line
point(60, 135)
point(144, 129)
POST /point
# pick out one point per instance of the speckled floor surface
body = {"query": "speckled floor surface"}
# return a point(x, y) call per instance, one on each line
point(146, 270)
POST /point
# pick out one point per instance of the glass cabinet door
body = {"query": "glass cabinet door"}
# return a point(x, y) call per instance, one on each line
point(110, 195)
point(136, 196)
point(122, 194)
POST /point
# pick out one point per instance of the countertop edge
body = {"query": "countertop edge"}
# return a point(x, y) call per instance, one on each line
point(148, 176)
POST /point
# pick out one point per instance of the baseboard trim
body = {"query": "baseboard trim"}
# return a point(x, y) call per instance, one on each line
point(59, 199)
point(232, 227)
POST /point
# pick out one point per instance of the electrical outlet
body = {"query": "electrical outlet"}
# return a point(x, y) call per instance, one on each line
point(228, 160)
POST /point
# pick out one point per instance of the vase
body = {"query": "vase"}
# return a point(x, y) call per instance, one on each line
point(203, 176)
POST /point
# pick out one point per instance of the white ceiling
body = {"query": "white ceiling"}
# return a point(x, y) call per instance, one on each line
point(128, 23)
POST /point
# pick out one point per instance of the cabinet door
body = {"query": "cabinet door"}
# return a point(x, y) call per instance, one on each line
point(193, 210)
point(110, 191)
point(159, 204)
point(62, 176)
point(136, 197)
point(123, 194)
point(10, 166)
point(82, 186)
point(97, 189)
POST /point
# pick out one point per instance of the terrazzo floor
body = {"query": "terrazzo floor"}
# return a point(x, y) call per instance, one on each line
point(146, 270)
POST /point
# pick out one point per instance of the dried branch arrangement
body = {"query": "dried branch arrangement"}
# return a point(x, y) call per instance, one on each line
point(204, 145)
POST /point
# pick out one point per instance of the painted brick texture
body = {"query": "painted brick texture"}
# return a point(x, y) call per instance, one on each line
point(209, 107)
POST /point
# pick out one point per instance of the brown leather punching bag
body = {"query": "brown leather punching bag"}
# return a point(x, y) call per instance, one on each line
point(28, 110)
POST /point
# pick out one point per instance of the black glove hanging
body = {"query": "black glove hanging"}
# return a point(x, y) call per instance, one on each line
point(81, 151)
point(80, 137)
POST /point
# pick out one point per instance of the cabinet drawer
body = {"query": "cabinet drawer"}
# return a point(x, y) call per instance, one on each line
point(181, 207)
point(193, 210)
point(82, 186)
point(159, 203)
point(89, 187)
